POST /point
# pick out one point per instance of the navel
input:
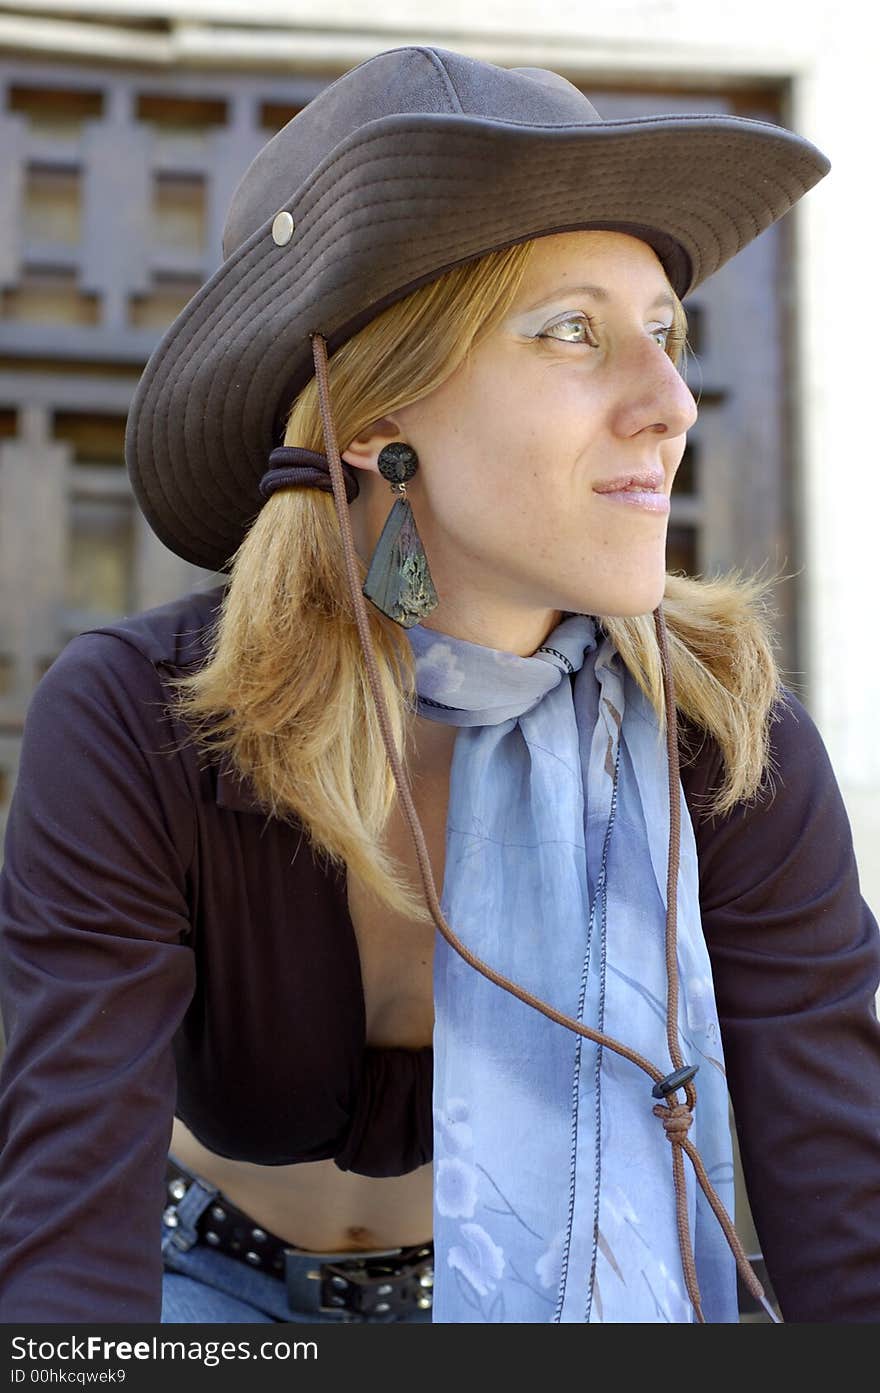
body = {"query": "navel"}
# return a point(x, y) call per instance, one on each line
point(360, 1237)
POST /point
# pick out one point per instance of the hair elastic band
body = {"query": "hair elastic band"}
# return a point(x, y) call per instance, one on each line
point(293, 467)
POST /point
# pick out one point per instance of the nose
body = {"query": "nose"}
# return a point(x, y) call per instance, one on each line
point(654, 394)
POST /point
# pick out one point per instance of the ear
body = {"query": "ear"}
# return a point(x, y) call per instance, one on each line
point(363, 452)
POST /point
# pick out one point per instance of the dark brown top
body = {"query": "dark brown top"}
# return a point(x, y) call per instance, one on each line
point(164, 946)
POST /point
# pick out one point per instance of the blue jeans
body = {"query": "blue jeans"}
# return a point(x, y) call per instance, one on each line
point(203, 1285)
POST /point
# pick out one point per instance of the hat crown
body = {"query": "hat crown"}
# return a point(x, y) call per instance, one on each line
point(400, 81)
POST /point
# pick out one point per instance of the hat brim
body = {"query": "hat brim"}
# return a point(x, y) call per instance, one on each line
point(396, 205)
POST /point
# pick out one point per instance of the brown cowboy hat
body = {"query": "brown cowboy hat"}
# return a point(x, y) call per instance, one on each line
point(410, 163)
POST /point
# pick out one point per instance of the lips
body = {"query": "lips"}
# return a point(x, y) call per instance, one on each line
point(648, 480)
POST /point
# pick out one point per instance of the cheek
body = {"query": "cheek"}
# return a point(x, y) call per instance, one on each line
point(513, 442)
point(480, 438)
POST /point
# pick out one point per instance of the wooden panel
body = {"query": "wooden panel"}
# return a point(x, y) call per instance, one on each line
point(51, 204)
point(99, 520)
point(130, 175)
point(116, 229)
point(13, 143)
point(49, 297)
point(33, 536)
point(53, 111)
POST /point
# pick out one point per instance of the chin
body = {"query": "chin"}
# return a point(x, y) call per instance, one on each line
point(629, 603)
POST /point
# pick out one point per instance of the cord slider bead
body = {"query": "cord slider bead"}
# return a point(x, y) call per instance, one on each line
point(673, 1081)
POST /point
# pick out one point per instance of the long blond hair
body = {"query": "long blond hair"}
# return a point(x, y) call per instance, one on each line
point(284, 691)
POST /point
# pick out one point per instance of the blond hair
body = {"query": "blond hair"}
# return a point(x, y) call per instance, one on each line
point(284, 691)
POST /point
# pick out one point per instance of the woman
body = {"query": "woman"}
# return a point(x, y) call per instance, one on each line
point(227, 1006)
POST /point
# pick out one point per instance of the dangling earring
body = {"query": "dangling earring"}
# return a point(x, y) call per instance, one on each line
point(399, 582)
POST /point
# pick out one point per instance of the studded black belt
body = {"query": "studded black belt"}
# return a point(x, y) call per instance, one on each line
point(384, 1283)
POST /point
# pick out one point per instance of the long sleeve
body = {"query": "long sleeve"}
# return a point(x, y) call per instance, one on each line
point(796, 959)
point(95, 976)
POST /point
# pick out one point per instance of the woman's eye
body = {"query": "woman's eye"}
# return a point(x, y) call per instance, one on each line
point(578, 329)
point(574, 329)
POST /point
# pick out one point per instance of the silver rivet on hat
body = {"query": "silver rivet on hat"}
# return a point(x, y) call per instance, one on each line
point(259, 1235)
point(385, 1290)
point(282, 229)
point(170, 1217)
point(212, 1237)
point(253, 1257)
point(426, 1280)
point(218, 1213)
point(423, 1303)
point(339, 1282)
point(382, 1306)
point(177, 1189)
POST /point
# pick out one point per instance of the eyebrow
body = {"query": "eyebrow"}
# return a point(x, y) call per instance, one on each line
point(598, 292)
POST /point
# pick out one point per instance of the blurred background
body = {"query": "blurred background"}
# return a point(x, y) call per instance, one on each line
point(125, 126)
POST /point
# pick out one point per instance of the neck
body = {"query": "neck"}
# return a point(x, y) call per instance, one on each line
point(431, 747)
point(521, 634)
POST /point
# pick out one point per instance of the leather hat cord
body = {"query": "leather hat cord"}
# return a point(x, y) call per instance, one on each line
point(676, 1117)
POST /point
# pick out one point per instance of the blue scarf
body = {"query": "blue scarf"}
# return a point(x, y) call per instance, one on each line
point(553, 1185)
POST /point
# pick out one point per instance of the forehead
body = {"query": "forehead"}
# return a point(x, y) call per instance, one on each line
point(614, 260)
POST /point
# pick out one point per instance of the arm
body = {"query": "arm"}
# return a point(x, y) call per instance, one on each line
point(94, 980)
point(796, 959)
